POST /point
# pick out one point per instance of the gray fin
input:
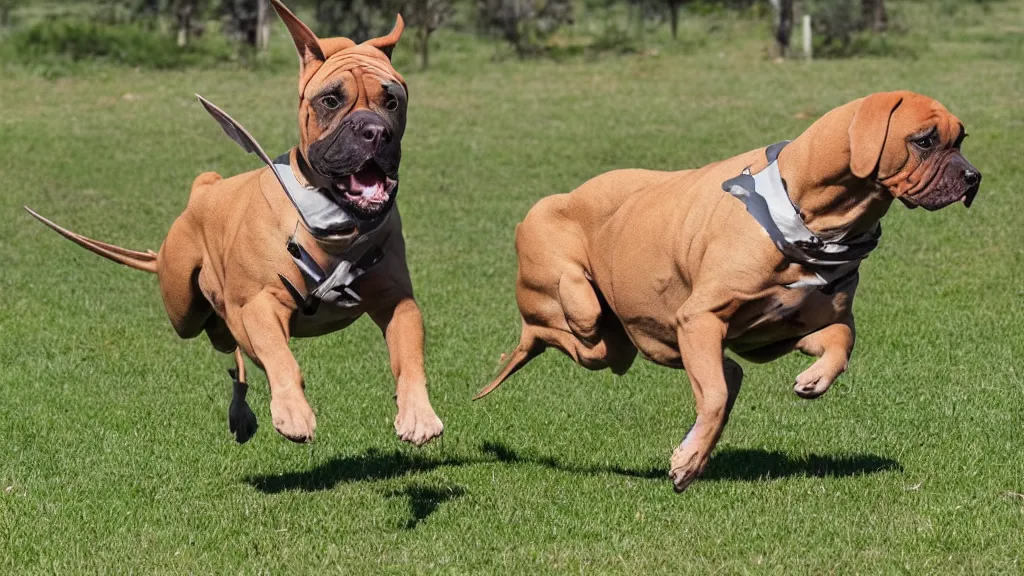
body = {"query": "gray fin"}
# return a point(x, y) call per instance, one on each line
point(241, 136)
point(235, 131)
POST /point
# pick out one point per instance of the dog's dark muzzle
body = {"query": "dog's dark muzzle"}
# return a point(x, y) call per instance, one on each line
point(361, 137)
point(958, 181)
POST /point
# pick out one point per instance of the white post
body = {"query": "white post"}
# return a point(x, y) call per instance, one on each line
point(807, 36)
point(262, 25)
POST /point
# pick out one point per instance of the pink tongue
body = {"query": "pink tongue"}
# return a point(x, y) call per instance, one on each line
point(365, 179)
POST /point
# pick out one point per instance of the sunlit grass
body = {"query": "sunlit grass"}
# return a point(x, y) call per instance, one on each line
point(117, 454)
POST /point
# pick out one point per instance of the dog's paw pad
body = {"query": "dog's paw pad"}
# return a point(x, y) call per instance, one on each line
point(811, 385)
point(418, 426)
point(686, 466)
point(293, 419)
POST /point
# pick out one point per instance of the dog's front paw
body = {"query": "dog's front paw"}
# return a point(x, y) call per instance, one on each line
point(418, 424)
point(687, 464)
point(813, 382)
point(292, 416)
point(241, 419)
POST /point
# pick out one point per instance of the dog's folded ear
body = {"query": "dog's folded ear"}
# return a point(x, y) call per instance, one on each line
point(307, 44)
point(868, 131)
point(386, 44)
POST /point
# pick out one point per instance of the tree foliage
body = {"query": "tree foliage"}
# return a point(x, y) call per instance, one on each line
point(524, 24)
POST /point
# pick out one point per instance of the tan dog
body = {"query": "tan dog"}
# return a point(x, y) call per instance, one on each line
point(252, 265)
point(757, 254)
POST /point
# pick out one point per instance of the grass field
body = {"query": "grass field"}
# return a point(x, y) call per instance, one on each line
point(116, 451)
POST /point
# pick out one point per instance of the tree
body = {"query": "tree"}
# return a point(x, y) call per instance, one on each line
point(783, 25)
point(873, 16)
point(354, 19)
point(248, 21)
point(524, 23)
point(673, 15)
point(426, 16)
point(243, 20)
point(185, 14)
point(6, 7)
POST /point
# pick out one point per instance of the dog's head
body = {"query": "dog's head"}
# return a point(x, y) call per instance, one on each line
point(910, 144)
point(352, 106)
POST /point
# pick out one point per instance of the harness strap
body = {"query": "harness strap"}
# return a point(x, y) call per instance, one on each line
point(766, 199)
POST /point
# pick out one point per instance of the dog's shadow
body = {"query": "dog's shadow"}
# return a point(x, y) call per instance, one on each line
point(736, 464)
point(727, 464)
point(371, 465)
point(424, 501)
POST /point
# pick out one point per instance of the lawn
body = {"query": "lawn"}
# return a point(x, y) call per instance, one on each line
point(116, 450)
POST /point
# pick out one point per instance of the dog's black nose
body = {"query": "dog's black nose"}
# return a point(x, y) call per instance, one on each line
point(972, 177)
point(372, 132)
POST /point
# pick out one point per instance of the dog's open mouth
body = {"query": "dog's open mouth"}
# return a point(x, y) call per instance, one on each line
point(368, 191)
point(968, 197)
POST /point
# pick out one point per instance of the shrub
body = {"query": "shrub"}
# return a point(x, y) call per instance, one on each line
point(847, 28)
point(74, 40)
point(524, 24)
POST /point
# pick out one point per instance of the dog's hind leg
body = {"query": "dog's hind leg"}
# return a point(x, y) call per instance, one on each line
point(598, 340)
point(580, 306)
point(178, 265)
point(241, 420)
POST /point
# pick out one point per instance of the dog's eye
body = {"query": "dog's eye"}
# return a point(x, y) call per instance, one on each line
point(390, 102)
point(331, 102)
point(926, 142)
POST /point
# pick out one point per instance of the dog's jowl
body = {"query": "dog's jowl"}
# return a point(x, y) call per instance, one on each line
point(305, 245)
point(758, 254)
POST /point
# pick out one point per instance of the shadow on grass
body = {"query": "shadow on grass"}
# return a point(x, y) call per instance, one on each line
point(726, 464)
point(371, 465)
point(424, 500)
point(741, 464)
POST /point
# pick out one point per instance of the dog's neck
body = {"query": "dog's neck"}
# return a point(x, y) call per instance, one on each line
point(304, 173)
point(335, 247)
point(816, 168)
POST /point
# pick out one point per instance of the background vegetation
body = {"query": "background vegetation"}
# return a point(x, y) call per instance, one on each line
point(116, 455)
point(46, 35)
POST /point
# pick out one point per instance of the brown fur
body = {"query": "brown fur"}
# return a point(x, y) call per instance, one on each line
point(218, 266)
point(667, 264)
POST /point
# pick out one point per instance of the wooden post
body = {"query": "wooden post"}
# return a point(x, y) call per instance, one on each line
point(807, 37)
point(262, 25)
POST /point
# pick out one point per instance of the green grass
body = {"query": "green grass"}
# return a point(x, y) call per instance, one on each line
point(116, 452)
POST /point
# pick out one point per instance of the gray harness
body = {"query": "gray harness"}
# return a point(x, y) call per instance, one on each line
point(322, 217)
point(765, 196)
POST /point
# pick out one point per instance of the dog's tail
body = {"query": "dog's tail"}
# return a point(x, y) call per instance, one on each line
point(528, 349)
point(145, 261)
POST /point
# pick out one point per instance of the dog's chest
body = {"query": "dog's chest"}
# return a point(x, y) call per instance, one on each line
point(785, 313)
point(323, 320)
point(330, 298)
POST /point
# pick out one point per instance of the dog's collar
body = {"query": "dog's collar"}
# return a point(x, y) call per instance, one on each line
point(317, 212)
point(766, 199)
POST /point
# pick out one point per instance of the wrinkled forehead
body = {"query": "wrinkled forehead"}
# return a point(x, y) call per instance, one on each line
point(920, 113)
point(356, 64)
